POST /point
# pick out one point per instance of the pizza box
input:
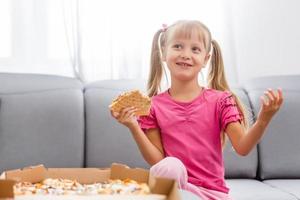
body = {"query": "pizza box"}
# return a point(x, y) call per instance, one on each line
point(160, 188)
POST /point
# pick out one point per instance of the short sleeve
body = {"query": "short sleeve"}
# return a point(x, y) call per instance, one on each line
point(147, 122)
point(228, 110)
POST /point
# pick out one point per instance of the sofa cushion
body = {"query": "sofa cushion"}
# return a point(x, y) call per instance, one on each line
point(237, 166)
point(41, 121)
point(248, 189)
point(108, 141)
point(291, 186)
point(279, 147)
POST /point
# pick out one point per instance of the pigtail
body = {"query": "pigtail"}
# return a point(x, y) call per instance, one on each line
point(216, 76)
point(156, 68)
point(217, 80)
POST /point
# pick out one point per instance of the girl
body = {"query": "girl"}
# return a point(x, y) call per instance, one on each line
point(183, 136)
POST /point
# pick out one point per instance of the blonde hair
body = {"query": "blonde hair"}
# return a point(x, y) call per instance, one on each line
point(216, 76)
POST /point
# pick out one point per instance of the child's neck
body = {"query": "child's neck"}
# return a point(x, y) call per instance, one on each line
point(185, 92)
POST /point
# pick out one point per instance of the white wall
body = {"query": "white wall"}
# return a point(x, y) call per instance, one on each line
point(265, 36)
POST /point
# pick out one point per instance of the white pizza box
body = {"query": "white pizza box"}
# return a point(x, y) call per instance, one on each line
point(161, 188)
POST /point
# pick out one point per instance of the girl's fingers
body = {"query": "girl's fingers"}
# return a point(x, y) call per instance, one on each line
point(124, 111)
point(277, 95)
point(270, 95)
point(114, 114)
point(280, 96)
point(127, 112)
point(263, 101)
point(132, 114)
point(272, 99)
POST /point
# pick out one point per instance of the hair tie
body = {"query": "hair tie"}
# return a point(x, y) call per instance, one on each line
point(164, 27)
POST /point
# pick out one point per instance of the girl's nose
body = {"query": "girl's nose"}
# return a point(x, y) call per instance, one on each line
point(185, 55)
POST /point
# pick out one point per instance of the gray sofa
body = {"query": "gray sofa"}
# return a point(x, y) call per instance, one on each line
point(60, 122)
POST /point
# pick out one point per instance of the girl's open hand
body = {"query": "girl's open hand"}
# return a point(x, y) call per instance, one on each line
point(271, 102)
point(126, 116)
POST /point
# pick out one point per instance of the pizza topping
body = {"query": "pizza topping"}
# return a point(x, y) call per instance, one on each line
point(72, 187)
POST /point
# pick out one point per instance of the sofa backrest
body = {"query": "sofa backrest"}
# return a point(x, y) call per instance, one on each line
point(52, 121)
point(279, 148)
point(41, 121)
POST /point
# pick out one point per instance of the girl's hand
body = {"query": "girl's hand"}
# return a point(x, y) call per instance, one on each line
point(126, 117)
point(271, 103)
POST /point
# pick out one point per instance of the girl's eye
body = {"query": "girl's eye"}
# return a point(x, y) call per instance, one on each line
point(177, 46)
point(196, 49)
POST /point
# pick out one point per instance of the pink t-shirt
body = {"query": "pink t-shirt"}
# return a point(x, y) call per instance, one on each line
point(191, 132)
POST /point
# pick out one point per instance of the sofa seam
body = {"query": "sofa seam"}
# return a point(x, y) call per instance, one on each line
point(85, 132)
point(282, 190)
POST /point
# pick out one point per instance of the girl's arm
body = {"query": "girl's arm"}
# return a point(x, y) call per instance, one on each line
point(149, 144)
point(244, 142)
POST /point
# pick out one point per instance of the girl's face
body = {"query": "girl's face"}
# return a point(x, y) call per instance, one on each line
point(185, 57)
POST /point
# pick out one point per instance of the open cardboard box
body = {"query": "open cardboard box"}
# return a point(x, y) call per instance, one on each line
point(34, 174)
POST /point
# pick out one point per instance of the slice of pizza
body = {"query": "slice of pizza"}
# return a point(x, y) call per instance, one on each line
point(132, 99)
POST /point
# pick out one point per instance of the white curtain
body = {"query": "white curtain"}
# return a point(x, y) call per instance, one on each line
point(35, 39)
point(70, 10)
point(96, 40)
point(117, 35)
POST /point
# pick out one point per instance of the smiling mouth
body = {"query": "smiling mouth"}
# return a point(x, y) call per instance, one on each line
point(183, 64)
